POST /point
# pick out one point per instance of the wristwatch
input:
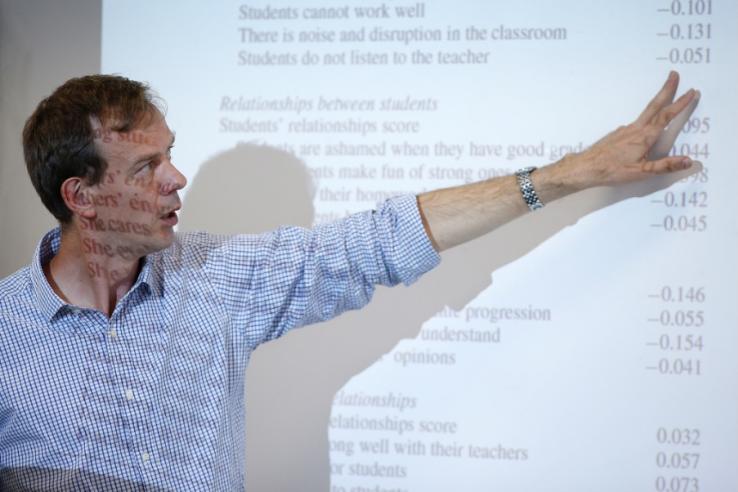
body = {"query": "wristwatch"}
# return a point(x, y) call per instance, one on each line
point(526, 188)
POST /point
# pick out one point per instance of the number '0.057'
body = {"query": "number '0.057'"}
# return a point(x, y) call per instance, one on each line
point(679, 461)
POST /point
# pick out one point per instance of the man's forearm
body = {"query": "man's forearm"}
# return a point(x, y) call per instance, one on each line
point(455, 215)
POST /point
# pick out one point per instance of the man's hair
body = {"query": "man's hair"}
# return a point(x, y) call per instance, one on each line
point(58, 138)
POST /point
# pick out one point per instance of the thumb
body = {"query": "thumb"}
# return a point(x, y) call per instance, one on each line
point(666, 165)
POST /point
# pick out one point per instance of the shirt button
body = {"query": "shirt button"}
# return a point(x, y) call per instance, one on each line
point(112, 333)
point(145, 457)
point(129, 394)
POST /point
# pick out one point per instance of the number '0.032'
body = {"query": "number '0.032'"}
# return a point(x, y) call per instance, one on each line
point(678, 436)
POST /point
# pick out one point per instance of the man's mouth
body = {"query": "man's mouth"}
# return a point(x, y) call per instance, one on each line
point(170, 218)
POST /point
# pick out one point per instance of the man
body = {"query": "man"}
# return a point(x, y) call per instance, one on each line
point(123, 345)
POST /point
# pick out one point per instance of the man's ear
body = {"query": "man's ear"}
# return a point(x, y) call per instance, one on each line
point(77, 196)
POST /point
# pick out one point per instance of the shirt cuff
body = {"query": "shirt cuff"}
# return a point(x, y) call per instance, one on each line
point(415, 252)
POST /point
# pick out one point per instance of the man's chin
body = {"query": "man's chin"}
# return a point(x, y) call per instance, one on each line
point(162, 240)
point(166, 238)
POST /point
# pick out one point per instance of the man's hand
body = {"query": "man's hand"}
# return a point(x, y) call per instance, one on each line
point(639, 150)
point(633, 152)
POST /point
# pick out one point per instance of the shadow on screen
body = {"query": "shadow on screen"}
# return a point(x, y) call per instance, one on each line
point(291, 383)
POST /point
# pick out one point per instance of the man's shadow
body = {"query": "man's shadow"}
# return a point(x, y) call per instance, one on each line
point(291, 382)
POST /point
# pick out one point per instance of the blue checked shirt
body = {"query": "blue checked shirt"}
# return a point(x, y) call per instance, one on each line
point(152, 397)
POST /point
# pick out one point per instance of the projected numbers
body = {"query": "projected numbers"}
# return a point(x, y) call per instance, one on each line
point(683, 199)
point(683, 223)
point(677, 484)
point(682, 29)
point(678, 436)
point(689, 32)
point(688, 7)
point(680, 341)
point(697, 125)
point(687, 209)
point(678, 367)
point(672, 293)
point(677, 459)
point(687, 318)
point(681, 56)
point(695, 150)
point(688, 342)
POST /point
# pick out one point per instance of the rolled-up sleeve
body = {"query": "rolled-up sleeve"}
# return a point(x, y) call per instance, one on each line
point(293, 276)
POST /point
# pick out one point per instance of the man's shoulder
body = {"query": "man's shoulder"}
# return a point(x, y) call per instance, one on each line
point(191, 250)
point(186, 244)
point(14, 285)
point(212, 253)
point(16, 294)
point(200, 243)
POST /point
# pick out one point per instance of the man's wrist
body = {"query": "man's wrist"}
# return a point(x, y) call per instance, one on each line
point(559, 179)
point(528, 191)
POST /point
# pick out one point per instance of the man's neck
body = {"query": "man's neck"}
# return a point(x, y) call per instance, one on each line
point(86, 272)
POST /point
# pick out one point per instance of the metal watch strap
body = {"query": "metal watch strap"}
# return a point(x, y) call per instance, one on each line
point(526, 188)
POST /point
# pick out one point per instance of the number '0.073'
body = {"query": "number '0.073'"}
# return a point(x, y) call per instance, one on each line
point(677, 484)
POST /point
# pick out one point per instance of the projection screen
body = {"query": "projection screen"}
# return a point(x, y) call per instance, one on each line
point(590, 345)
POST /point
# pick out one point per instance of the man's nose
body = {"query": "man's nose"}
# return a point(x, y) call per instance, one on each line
point(174, 180)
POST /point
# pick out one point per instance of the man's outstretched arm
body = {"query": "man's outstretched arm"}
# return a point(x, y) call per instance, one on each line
point(456, 215)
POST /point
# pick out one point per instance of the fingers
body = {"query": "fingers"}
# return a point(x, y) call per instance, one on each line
point(666, 138)
point(664, 97)
point(666, 165)
point(667, 114)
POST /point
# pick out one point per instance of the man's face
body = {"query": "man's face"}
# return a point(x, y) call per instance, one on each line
point(134, 206)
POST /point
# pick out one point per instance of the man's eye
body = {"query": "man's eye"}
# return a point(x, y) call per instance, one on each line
point(145, 167)
point(169, 152)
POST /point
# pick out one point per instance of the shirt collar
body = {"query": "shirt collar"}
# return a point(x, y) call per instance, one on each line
point(48, 302)
point(147, 276)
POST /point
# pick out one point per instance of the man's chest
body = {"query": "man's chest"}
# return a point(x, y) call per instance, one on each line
point(132, 395)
